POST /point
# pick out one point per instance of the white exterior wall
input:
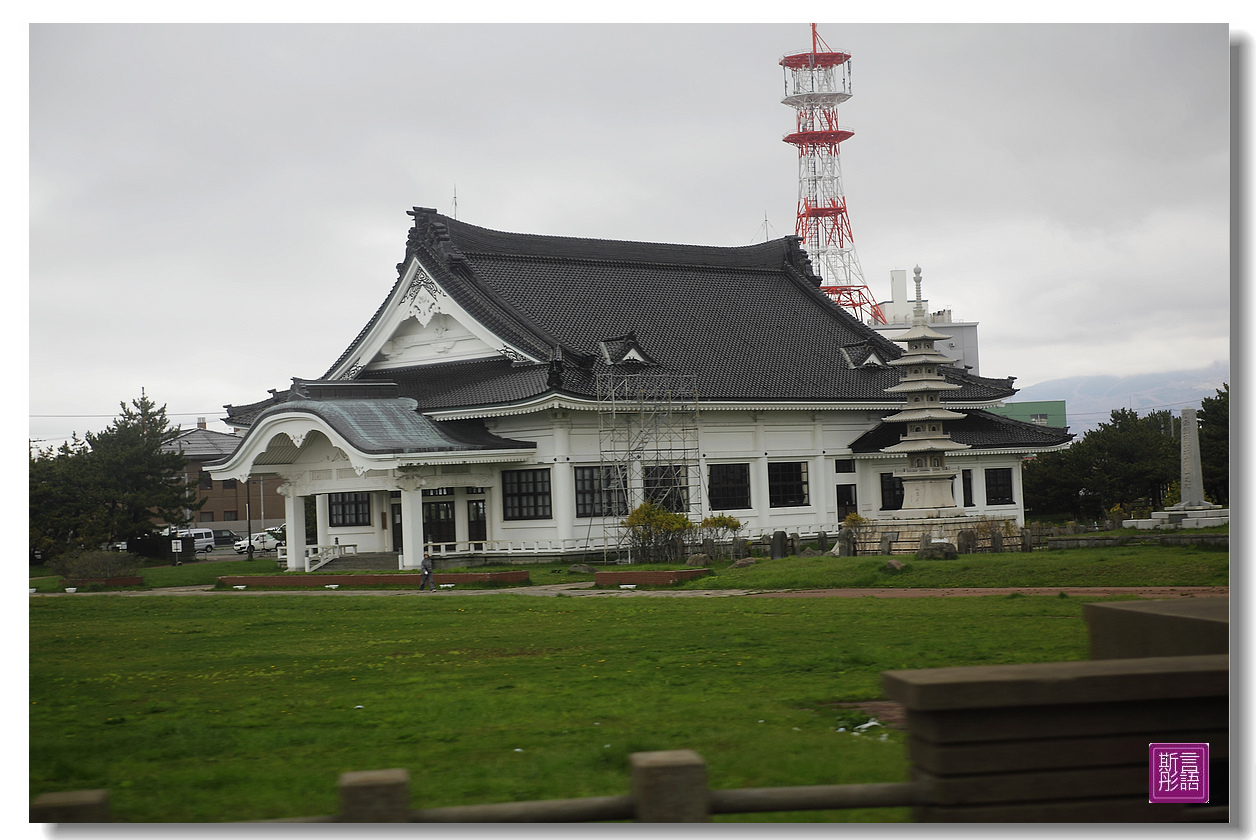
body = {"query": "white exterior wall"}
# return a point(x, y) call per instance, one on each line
point(567, 438)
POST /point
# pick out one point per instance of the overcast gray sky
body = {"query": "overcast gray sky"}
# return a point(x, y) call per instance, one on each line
point(215, 209)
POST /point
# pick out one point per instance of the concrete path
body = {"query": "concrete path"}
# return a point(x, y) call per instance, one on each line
point(585, 590)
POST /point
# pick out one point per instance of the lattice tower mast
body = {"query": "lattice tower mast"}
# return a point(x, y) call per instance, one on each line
point(816, 82)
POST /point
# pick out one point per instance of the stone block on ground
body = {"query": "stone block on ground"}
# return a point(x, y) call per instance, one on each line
point(743, 563)
point(938, 551)
point(698, 560)
point(894, 565)
point(579, 569)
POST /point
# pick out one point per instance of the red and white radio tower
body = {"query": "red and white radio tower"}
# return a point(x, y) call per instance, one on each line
point(816, 82)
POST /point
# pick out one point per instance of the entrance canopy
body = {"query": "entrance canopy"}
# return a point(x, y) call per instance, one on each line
point(366, 424)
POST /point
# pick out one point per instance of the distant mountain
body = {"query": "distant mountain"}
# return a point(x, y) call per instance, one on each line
point(1092, 399)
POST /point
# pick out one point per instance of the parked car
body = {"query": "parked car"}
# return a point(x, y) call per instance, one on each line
point(225, 537)
point(262, 541)
point(204, 538)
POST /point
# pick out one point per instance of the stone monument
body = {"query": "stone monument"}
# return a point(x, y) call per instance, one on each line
point(1192, 511)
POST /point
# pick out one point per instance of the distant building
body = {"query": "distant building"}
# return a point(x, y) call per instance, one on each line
point(226, 500)
point(1039, 412)
point(961, 343)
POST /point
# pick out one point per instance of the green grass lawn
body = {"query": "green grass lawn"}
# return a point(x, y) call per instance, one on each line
point(223, 708)
point(1124, 566)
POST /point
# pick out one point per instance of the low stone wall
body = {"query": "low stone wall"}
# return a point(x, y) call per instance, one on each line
point(665, 577)
point(1139, 539)
point(374, 580)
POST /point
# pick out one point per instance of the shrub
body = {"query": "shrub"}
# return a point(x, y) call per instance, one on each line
point(652, 531)
point(87, 565)
point(723, 529)
point(862, 529)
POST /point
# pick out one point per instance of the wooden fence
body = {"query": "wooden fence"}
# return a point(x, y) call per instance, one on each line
point(668, 786)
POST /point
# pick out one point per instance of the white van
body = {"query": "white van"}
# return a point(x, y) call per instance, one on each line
point(204, 538)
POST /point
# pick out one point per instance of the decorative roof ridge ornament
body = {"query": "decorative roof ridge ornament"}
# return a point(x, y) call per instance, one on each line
point(432, 234)
point(554, 378)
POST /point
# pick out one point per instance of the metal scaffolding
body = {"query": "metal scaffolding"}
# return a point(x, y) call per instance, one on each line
point(648, 448)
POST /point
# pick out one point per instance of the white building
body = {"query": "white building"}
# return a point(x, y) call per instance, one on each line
point(961, 343)
point(521, 393)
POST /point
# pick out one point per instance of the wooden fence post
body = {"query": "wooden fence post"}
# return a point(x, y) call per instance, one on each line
point(375, 796)
point(75, 806)
point(669, 786)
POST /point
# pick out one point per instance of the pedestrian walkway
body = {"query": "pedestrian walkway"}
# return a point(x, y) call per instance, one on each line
point(585, 589)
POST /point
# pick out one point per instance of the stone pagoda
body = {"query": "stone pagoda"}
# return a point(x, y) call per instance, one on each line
point(927, 480)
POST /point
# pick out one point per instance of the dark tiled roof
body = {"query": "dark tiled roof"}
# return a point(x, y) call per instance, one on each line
point(202, 444)
point(980, 430)
point(749, 323)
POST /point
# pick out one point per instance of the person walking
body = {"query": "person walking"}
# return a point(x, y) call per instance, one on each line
point(426, 568)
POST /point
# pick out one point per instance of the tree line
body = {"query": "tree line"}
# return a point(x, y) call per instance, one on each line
point(109, 487)
point(1130, 464)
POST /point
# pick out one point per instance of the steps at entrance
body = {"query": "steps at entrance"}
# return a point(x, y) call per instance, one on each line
point(356, 562)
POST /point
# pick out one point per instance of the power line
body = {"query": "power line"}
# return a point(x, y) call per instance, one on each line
point(168, 414)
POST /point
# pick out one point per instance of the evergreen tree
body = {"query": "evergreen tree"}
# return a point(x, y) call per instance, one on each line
point(109, 486)
point(1214, 445)
point(1126, 459)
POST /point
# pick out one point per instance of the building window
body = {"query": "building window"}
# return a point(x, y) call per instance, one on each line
point(846, 500)
point(891, 492)
point(845, 466)
point(1040, 419)
point(228, 484)
point(438, 523)
point(477, 522)
point(729, 487)
point(999, 486)
point(475, 491)
point(344, 509)
point(967, 481)
point(667, 485)
point(207, 516)
point(526, 494)
point(787, 484)
point(439, 491)
point(206, 483)
point(229, 516)
point(601, 491)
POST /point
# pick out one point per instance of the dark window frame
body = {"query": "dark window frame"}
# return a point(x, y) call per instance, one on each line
point(348, 510)
point(847, 500)
point(526, 495)
point(596, 494)
point(999, 486)
point(788, 484)
point(728, 486)
point(667, 486)
point(891, 492)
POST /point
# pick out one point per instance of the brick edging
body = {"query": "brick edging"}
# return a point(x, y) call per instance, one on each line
point(373, 580)
point(662, 577)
